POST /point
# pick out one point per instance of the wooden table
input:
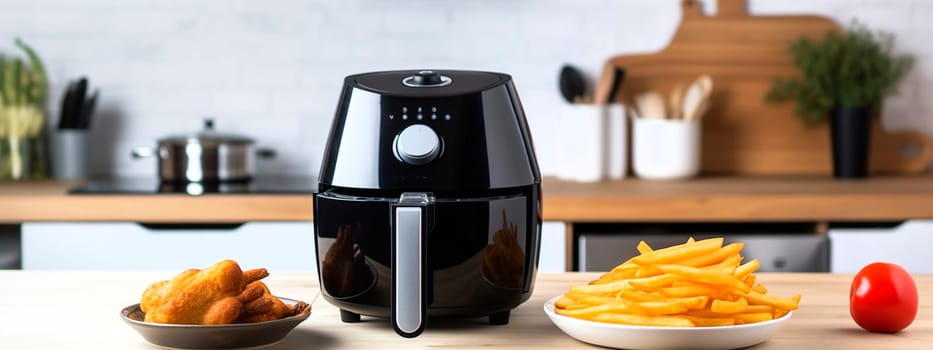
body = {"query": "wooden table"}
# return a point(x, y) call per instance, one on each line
point(80, 310)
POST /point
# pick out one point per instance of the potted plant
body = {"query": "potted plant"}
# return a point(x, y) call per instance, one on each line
point(23, 88)
point(845, 76)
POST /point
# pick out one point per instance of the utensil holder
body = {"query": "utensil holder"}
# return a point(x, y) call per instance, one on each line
point(70, 154)
point(593, 142)
point(665, 149)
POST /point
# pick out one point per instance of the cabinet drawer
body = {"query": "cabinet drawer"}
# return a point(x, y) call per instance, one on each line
point(128, 246)
point(784, 253)
point(553, 258)
point(907, 244)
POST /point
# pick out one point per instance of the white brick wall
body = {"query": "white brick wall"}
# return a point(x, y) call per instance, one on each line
point(273, 69)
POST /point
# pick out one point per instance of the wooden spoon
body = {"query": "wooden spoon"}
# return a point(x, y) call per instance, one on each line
point(676, 101)
point(696, 98)
point(651, 105)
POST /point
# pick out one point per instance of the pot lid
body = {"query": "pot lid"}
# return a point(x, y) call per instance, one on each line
point(208, 136)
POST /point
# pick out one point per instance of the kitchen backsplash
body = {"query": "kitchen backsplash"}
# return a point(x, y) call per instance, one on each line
point(273, 69)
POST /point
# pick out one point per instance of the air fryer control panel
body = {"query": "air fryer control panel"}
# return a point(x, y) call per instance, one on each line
point(426, 141)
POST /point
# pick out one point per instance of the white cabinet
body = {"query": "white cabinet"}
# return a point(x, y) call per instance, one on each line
point(277, 246)
point(907, 244)
point(553, 247)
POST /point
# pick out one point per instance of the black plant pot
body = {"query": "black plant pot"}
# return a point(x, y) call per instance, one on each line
point(850, 130)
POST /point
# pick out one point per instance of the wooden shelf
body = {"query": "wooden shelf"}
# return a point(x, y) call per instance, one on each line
point(741, 199)
point(50, 201)
point(705, 199)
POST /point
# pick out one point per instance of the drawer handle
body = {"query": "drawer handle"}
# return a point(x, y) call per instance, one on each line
point(191, 226)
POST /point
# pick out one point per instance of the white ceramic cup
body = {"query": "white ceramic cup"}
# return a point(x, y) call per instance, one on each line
point(665, 149)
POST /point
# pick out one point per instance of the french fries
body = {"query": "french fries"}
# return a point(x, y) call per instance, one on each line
point(695, 284)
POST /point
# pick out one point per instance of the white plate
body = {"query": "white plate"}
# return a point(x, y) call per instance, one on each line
point(647, 338)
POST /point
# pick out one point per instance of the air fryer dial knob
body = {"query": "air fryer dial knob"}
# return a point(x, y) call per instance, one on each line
point(426, 78)
point(417, 145)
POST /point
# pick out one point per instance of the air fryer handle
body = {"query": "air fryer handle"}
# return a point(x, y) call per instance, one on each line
point(412, 218)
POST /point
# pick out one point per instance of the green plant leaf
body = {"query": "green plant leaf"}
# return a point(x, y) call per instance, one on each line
point(3, 94)
point(38, 76)
point(11, 84)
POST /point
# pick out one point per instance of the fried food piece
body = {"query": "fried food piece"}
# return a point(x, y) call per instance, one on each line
point(503, 260)
point(215, 295)
point(267, 307)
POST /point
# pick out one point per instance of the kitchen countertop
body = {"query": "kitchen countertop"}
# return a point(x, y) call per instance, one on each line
point(721, 199)
point(50, 201)
point(745, 199)
point(80, 310)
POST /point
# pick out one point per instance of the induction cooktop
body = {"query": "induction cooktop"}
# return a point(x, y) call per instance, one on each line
point(258, 185)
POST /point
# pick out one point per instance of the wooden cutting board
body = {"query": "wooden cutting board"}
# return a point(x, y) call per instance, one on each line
point(743, 134)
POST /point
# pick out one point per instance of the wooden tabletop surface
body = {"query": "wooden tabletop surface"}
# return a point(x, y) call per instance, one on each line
point(721, 199)
point(80, 310)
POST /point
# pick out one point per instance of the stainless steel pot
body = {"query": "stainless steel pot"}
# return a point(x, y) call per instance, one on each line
point(205, 156)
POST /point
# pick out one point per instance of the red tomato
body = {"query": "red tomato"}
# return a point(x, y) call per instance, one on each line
point(883, 298)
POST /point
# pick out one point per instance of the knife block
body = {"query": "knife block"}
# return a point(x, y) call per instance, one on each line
point(70, 154)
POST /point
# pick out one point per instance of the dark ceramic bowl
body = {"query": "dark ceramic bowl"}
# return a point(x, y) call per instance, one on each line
point(240, 335)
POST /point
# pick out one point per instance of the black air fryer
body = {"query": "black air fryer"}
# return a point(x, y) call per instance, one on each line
point(429, 203)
